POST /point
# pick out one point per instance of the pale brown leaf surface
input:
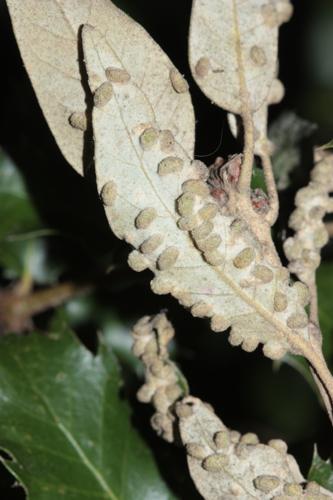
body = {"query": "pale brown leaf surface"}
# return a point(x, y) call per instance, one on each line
point(225, 464)
point(233, 50)
point(47, 33)
point(209, 261)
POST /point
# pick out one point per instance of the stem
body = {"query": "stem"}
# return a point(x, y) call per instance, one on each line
point(313, 302)
point(271, 189)
point(318, 363)
point(17, 310)
point(41, 300)
point(244, 183)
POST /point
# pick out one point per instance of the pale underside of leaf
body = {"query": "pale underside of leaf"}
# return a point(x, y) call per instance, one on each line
point(47, 33)
point(262, 145)
point(243, 463)
point(233, 51)
point(130, 172)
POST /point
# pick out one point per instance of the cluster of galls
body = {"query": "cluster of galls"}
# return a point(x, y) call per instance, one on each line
point(151, 336)
point(312, 203)
point(201, 215)
point(226, 464)
point(224, 176)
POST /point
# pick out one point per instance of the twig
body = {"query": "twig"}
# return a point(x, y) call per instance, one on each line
point(273, 213)
point(17, 309)
point(245, 178)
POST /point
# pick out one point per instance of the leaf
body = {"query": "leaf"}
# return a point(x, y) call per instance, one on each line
point(287, 133)
point(71, 433)
point(47, 34)
point(321, 471)
point(224, 464)
point(233, 50)
point(211, 262)
point(103, 318)
point(23, 247)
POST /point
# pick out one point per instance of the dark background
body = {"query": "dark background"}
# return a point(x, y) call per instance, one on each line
point(243, 388)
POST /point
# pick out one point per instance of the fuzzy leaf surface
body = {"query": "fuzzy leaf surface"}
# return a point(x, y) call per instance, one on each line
point(70, 435)
point(48, 37)
point(131, 181)
point(235, 466)
point(233, 51)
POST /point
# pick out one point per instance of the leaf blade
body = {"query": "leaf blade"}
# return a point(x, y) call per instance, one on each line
point(69, 433)
point(48, 37)
point(233, 51)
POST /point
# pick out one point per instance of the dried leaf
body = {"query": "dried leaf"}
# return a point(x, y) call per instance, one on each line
point(211, 262)
point(47, 33)
point(224, 464)
point(233, 50)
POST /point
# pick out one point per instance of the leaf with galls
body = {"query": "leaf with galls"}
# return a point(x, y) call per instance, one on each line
point(233, 49)
point(225, 464)
point(48, 35)
point(160, 204)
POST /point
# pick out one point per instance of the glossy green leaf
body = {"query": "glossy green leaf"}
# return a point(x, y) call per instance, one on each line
point(321, 471)
point(65, 425)
point(102, 317)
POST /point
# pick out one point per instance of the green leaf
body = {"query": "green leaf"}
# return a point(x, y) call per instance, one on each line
point(258, 179)
point(64, 424)
point(23, 247)
point(325, 302)
point(321, 471)
point(116, 334)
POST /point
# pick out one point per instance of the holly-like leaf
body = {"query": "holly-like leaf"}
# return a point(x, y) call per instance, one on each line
point(65, 425)
point(321, 471)
point(48, 37)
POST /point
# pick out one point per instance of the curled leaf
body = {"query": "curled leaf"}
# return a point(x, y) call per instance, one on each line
point(48, 37)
